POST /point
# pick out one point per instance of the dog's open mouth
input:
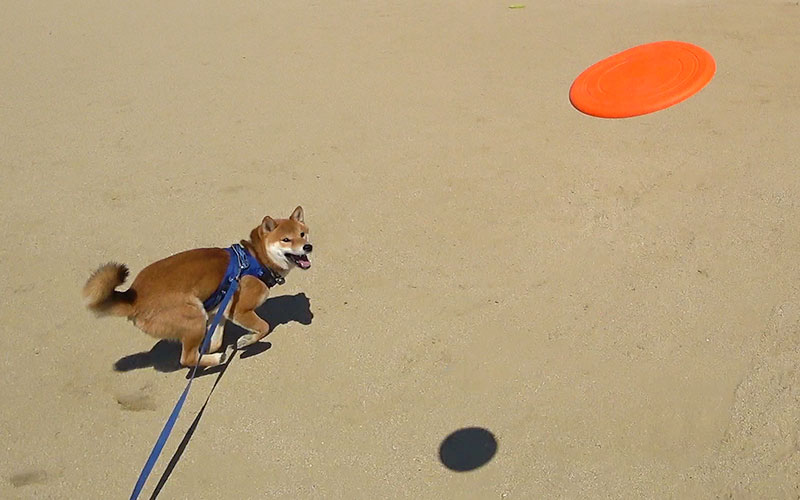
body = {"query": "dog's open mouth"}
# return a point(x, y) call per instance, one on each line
point(300, 260)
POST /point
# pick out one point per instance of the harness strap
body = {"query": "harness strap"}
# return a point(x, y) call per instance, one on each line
point(241, 263)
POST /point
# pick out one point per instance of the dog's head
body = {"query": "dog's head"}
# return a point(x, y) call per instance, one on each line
point(286, 241)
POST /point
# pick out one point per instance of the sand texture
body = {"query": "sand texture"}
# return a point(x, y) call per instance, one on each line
point(617, 301)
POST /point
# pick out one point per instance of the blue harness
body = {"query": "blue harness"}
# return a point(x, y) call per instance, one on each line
point(242, 263)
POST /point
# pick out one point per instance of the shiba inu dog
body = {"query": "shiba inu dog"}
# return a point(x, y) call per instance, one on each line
point(173, 298)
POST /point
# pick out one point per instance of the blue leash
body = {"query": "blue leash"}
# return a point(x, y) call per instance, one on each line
point(173, 417)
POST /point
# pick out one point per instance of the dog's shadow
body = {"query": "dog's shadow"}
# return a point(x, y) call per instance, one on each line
point(166, 354)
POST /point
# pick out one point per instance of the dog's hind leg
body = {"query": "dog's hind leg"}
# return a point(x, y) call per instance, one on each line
point(184, 320)
point(190, 354)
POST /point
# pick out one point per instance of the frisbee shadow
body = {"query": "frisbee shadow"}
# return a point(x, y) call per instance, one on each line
point(467, 449)
point(165, 355)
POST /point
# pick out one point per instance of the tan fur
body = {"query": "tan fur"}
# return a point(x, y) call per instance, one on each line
point(166, 298)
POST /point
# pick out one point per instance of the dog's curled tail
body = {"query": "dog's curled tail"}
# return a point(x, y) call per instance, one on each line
point(101, 296)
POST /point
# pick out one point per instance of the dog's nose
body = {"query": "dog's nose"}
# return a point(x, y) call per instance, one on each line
point(307, 247)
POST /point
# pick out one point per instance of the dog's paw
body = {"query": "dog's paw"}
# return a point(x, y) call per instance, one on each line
point(244, 341)
point(226, 355)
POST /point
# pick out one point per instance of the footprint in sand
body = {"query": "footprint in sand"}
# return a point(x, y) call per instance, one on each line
point(139, 400)
point(28, 477)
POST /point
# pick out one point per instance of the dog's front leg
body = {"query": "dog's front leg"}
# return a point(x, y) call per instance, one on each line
point(253, 293)
point(250, 321)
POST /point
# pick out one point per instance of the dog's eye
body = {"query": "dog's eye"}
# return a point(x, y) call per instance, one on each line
point(302, 235)
point(286, 240)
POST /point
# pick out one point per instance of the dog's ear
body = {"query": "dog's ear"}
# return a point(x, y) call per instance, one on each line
point(297, 214)
point(268, 224)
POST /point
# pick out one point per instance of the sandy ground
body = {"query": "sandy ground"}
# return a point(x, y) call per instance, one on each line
point(617, 301)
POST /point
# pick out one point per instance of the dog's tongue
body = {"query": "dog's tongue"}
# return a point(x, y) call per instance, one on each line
point(303, 262)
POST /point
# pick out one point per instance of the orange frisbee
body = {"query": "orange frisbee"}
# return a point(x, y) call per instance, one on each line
point(643, 79)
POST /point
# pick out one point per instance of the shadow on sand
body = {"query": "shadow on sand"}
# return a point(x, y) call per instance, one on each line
point(467, 449)
point(166, 354)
